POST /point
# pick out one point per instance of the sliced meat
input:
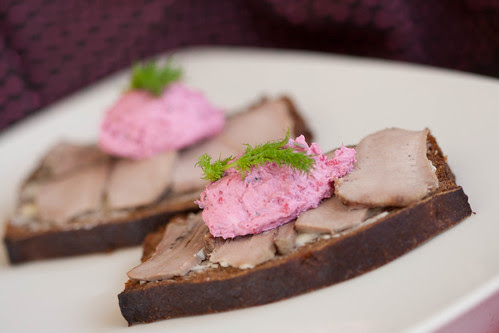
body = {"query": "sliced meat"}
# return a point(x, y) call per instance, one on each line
point(66, 157)
point(210, 242)
point(177, 253)
point(137, 183)
point(61, 199)
point(331, 216)
point(271, 119)
point(186, 176)
point(268, 121)
point(175, 229)
point(285, 238)
point(245, 252)
point(158, 242)
point(391, 170)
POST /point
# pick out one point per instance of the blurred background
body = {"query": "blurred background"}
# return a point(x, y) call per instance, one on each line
point(50, 48)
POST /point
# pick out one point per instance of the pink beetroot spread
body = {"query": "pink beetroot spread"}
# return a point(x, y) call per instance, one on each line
point(140, 125)
point(270, 195)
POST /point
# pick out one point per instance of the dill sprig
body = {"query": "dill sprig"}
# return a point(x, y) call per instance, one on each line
point(256, 156)
point(154, 78)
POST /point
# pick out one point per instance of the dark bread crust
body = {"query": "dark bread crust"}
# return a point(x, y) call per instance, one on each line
point(24, 244)
point(312, 266)
point(102, 238)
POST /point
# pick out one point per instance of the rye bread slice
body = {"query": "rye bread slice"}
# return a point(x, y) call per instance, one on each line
point(109, 231)
point(310, 267)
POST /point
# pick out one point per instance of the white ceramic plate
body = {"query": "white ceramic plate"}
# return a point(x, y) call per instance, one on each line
point(343, 99)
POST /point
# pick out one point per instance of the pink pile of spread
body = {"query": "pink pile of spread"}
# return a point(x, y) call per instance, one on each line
point(141, 125)
point(270, 195)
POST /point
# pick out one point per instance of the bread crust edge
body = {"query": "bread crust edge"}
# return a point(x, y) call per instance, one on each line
point(365, 249)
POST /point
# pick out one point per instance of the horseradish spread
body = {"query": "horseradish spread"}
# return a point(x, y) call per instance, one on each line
point(142, 124)
point(271, 194)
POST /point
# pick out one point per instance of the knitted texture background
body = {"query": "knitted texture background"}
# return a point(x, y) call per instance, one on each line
point(49, 48)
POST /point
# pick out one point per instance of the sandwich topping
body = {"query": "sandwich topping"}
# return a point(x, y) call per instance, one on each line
point(250, 199)
point(158, 114)
point(168, 179)
point(408, 177)
point(259, 210)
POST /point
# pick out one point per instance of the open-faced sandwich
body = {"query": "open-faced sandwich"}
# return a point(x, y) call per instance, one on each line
point(94, 198)
point(283, 219)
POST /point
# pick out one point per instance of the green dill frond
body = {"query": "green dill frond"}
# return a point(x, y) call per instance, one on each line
point(212, 171)
point(257, 156)
point(153, 78)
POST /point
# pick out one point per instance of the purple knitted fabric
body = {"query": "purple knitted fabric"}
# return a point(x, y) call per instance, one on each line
point(49, 48)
